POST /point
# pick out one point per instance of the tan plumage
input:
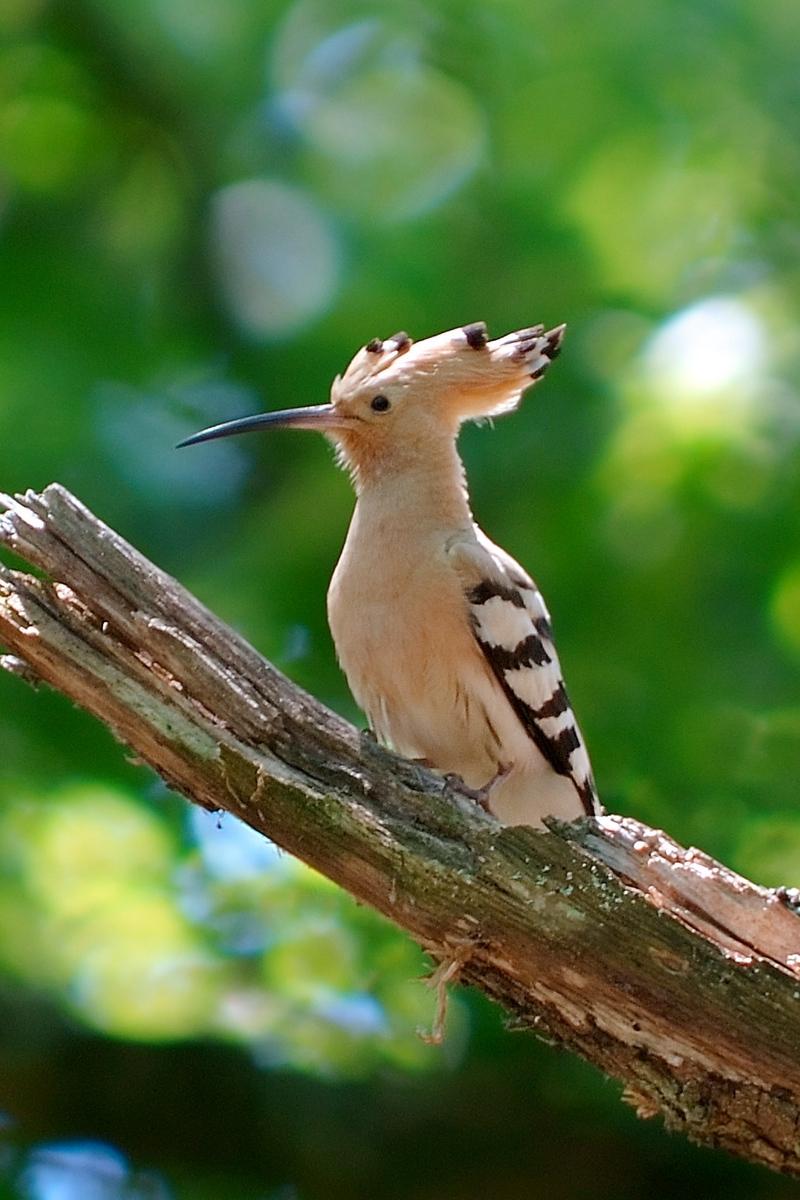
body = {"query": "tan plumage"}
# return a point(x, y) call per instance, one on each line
point(445, 641)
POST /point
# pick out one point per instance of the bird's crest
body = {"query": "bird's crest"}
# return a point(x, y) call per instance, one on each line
point(473, 375)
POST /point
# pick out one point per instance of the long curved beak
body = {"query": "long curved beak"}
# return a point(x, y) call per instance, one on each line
point(322, 417)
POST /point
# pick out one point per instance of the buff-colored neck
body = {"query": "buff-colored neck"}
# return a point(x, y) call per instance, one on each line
point(426, 487)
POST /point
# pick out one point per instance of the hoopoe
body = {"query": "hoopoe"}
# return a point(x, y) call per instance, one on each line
point(445, 641)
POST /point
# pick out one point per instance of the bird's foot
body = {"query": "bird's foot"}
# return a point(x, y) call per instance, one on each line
point(481, 795)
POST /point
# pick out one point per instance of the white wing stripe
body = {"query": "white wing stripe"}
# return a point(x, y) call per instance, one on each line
point(498, 622)
point(526, 682)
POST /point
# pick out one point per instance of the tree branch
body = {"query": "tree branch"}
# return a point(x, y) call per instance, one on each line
point(654, 962)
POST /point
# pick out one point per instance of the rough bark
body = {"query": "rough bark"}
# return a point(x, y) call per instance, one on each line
point(654, 962)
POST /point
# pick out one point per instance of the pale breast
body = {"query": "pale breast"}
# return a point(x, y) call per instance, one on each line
point(387, 619)
point(404, 641)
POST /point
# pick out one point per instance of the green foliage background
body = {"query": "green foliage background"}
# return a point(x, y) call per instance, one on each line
point(205, 208)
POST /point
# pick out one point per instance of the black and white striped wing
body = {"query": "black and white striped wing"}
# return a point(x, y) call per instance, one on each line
point(512, 627)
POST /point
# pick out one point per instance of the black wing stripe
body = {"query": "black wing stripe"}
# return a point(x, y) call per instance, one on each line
point(531, 650)
point(566, 741)
point(544, 628)
point(554, 705)
point(556, 750)
point(487, 589)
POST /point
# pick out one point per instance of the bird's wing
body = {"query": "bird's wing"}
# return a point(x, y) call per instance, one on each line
point(512, 627)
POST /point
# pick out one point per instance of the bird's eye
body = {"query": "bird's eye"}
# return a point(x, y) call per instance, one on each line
point(380, 403)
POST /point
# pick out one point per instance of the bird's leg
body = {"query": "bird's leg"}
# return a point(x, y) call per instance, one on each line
point(481, 795)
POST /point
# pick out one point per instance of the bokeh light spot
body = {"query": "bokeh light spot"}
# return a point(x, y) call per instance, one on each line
point(139, 431)
point(91, 839)
point(88, 909)
point(317, 955)
point(83, 1170)
point(45, 141)
point(141, 971)
point(388, 136)
point(144, 214)
point(200, 28)
point(277, 256)
point(785, 608)
point(704, 360)
point(694, 407)
point(395, 142)
point(652, 212)
point(231, 850)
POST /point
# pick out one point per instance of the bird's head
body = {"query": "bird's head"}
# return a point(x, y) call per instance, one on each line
point(397, 395)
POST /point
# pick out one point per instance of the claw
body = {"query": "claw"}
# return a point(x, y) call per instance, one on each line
point(482, 795)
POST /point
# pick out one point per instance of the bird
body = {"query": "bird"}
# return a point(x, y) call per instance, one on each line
point(445, 641)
